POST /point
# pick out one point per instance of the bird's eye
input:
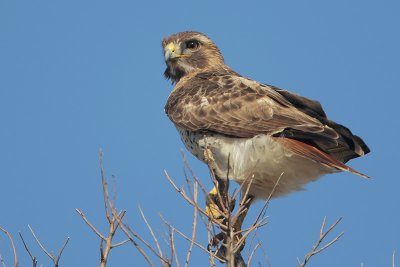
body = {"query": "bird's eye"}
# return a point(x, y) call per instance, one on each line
point(192, 44)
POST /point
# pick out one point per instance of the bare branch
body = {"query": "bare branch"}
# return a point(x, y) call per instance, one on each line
point(90, 224)
point(189, 239)
point(322, 235)
point(264, 208)
point(33, 258)
point(105, 187)
point(264, 253)
point(187, 166)
point(194, 225)
point(128, 231)
point(50, 255)
point(61, 251)
point(174, 253)
point(12, 245)
point(252, 253)
point(152, 234)
point(120, 243)
point(230, 241)
point(393, 257)
point(113, 219)
point(2, 261)
point(185, 196)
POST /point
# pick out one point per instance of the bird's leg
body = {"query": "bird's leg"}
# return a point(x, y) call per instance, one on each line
point(217, 201)
point(216, 208)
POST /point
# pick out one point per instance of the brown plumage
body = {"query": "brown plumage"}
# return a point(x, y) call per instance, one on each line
point(213, 106)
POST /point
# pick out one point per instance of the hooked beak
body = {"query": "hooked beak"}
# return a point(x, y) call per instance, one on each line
point(171, 52)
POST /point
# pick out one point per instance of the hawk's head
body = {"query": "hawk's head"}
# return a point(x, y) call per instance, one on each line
point(185, 52)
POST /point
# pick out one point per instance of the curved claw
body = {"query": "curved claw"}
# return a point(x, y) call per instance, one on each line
point(212, 208)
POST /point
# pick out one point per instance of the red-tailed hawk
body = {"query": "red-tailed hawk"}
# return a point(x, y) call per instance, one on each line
point(261, 131)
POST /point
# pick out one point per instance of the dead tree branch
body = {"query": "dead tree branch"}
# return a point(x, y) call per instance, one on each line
point(317, 247)
point(33, 258)
point(194, 225)
point(211, 254)
point(230, 241)
point(132, 235)
point(226, 234)
point(393, 257)
point(113, 219)
point(12, 245)
point(2, 261)
point(152, 233)
point(52, 256)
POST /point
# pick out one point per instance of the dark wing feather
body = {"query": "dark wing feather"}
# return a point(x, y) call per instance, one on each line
point(346, 147)
point(308, 106)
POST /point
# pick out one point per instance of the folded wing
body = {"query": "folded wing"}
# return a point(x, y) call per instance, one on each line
point(235, 106)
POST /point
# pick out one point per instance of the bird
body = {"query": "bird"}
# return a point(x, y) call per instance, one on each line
point(247, 128)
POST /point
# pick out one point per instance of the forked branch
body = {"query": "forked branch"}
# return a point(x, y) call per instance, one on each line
point(317, 248)
point(226, 234)
point(230, 241)
point(33, 258)
point(52, 256)
point(113, 218)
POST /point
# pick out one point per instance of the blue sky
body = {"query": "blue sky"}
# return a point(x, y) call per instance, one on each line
point(79, 75)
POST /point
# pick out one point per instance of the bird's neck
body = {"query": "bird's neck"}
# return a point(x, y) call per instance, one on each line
point(222, 69)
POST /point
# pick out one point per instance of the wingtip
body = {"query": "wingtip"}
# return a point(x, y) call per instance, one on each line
point(358, 173)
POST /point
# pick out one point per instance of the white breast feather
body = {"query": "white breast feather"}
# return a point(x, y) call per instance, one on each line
point(259, 157)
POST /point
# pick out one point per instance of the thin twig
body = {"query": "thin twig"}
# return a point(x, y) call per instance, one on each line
point(61, 251)
point(185, 196)
point(152, 234)
point(187, 165)
point(197, 181)
point(128, 231)
point(194, 225)
point(264, 253)
point(173, 249)
point(247, 182)
point(2, 261)
point(50, 255)
point(91, 226)
point(120, 243)
point(322, 235)
point(230, 241)
point(210, 234)
point(252, 253)
point(33, 258)
point(189, 239)
point(12, 245)
point(113, 218)
point(105, 187)
point(264, 208)
point(393, 256)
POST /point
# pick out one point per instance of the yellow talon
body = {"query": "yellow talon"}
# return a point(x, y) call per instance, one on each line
point(212, 208)
point(213, 191)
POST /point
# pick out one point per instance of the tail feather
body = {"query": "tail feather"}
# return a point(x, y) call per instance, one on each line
point(313, 153)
